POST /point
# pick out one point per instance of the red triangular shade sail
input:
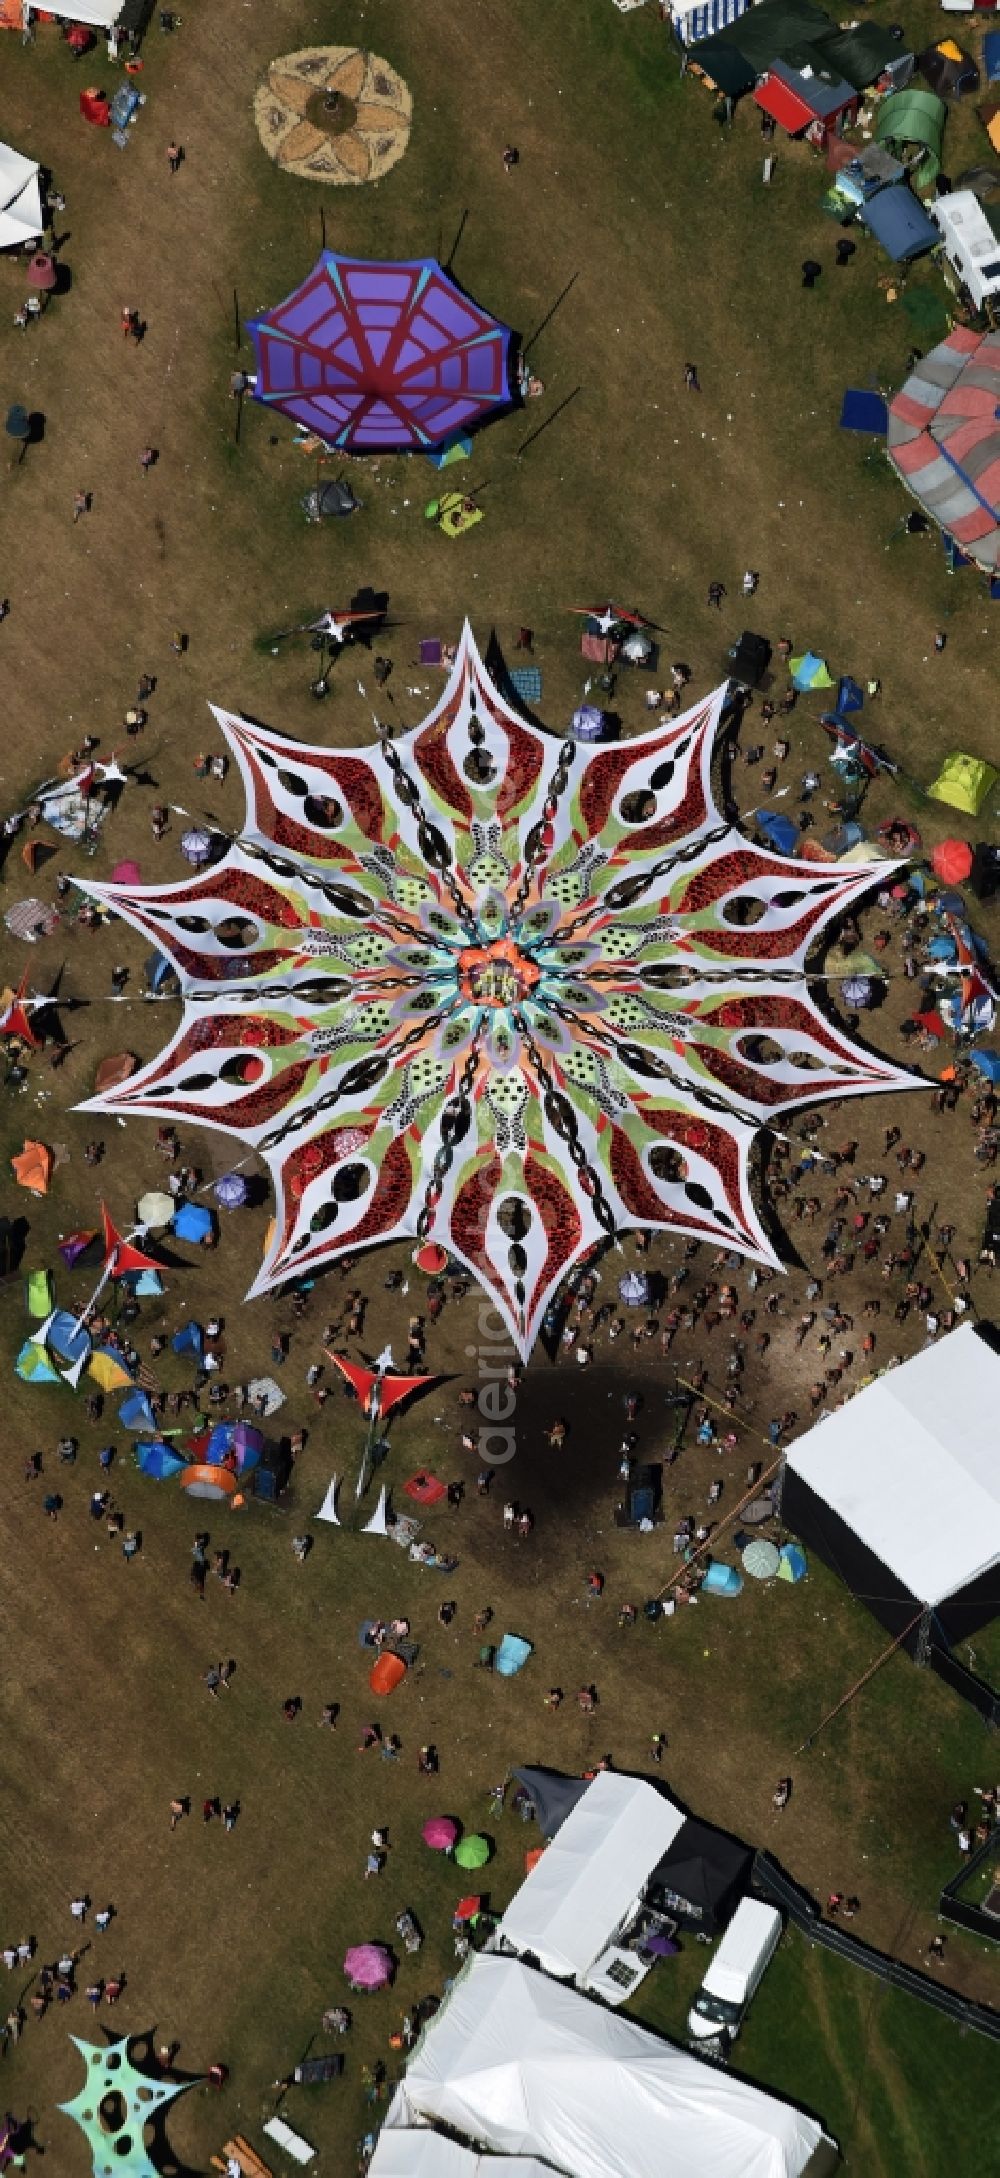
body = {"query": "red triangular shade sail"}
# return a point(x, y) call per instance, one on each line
point(119, 1254)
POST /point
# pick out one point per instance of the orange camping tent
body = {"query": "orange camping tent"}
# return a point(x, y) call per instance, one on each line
point(386, 1673)
point(33, 1167)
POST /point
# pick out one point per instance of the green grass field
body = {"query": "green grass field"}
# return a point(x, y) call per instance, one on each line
point(635, 236)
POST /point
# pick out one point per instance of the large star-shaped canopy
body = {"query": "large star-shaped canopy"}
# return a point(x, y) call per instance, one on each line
point(482, 986)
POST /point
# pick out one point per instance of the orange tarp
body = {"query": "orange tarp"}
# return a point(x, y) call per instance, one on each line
point(33, 1167)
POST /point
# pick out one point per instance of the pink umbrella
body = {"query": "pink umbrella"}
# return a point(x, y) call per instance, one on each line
point(368, 1966)
point(440, 1833)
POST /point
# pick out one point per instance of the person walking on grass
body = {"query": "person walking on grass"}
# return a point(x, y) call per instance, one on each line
point(175, 155)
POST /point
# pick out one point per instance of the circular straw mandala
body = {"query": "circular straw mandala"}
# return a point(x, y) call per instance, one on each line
point(333, 113)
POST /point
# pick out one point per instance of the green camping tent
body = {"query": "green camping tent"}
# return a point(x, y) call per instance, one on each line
point(40, 1293)
point(913, 117)
point(964, 782)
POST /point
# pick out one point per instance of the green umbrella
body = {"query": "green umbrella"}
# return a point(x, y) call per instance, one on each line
point(472, 1852)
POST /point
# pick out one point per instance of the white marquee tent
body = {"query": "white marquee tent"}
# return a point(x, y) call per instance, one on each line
point(594, 1871)
point(523, 2066)
point(899, 1489)
point(20, 199)
point(419, 2152)
point(97, 14)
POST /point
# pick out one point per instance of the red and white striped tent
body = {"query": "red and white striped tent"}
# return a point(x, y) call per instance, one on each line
point(944, 440)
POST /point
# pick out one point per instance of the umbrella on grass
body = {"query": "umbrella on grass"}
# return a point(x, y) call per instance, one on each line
point(857, 991)
point(440, 1833)
point(473, 1852)
point(761, 1559)
point(231, 1191)
point(196, 847)
point(156, 1208)
point(368, 1966)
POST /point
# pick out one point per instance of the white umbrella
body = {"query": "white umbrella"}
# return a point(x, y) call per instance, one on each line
point(156, 1208)
point(761, 1559)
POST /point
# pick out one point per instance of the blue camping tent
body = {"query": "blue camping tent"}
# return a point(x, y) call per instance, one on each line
point(189, 1340)
point(65, 1339)
point(158, 1459)
point(850, 694)
point(192, 1222)
point(511, 1656)
point(898, 221)
point(136, 1412)
point(722, 1580)
point(158, 970)
point(780, 832)
point(988, 1063)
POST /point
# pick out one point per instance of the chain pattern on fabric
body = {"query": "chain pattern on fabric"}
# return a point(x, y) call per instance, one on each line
point(456, 1117)
point(562, 1119)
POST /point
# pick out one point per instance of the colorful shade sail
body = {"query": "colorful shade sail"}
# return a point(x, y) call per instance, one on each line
point(944, 440)
point(381, 357)
point(483, 987)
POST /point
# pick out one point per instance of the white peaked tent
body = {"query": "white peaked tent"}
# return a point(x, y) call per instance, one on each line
point(20, 199)
point(524, 2067)
point(328, 1509)
point(899, 1489)
point(571, 1905)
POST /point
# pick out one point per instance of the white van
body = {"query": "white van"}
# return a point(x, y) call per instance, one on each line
point(970, 244)
point(749, 1943)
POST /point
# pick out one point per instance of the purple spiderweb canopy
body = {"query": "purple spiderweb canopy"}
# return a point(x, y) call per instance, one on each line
point(379, 358)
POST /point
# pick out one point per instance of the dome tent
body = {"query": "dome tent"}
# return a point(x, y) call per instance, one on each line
point(964, 782)
point(950, 72)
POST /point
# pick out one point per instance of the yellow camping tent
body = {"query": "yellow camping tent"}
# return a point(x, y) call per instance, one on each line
point(964, 782)
point(107, 1372)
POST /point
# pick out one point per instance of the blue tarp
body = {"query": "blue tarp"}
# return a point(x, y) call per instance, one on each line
point(899, 223)
point(192, 1222)
point(991, 56)
point(189, 1341)
point(780, 832)
point(861, 411)
point(988, 1063)
point(136, 1412)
